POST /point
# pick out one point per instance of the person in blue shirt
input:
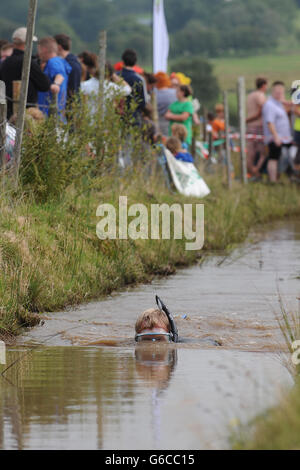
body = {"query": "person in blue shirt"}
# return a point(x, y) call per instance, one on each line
point(174, 145)
point(58, 71)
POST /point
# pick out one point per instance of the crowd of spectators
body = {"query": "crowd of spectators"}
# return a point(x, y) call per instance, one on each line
point(161, 105)
point(273, 132)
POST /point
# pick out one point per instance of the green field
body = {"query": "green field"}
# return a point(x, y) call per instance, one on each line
point(284, 67)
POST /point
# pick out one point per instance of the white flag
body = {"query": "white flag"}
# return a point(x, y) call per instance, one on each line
point(160, 38)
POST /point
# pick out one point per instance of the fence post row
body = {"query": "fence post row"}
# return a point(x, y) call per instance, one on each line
point(227, 139)
point(242, 126)
point(3, 114)
point(24, 88)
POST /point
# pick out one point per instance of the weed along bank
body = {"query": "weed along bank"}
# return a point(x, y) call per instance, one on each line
point(159, 221)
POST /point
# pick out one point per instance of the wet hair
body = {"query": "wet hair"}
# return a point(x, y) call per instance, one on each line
point(186, 90)
point(48, 43)
point(129, 57)
point(174, 145)
point(179, 131)
point(152, 318)
point(260, 82)
point(64, 41)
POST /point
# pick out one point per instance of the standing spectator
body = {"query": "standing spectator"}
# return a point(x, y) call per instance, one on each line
point(6, 51)
point(181, 111)
point(255, 147)
point(114, 86)
point(57, 70)
point(11, 70)
point(64, 51)
point(136, 101)
point(3, 42)
point(165, 96)
point(276, 127)
point(87, 61)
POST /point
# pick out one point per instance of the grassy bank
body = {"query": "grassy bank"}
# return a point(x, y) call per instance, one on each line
point(279, 427)
point(273, 66)
point(276, 66)
point(51, 256)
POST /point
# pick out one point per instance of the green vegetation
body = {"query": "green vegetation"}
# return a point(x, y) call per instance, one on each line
point(50, 255)
point(275, 67)
point(210, 28)
point(279, 427)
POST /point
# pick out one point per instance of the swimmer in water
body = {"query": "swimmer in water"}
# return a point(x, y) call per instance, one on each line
point(156, 325)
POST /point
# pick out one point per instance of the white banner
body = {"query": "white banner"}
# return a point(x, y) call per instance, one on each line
point(186, 178)
point(160, 38)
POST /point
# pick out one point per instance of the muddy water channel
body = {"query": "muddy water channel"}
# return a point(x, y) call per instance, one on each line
point(80, 382)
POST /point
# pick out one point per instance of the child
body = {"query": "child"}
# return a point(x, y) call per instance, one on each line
point(180, 131)
point(175, 147)
point(152, 325)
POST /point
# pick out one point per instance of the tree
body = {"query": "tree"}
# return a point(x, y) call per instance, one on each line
point(204, 83)
point(89, 17)
point(196, 39)
point(52, 25)
point(127, 33)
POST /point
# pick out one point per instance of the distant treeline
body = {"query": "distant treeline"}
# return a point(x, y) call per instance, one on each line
point(210, 28)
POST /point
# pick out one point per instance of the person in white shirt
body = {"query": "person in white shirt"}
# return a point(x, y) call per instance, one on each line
point(114, 87)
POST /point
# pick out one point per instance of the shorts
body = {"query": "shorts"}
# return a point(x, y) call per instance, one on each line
point(274, 151)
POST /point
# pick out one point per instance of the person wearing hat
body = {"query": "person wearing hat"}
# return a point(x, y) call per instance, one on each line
point(11, 70)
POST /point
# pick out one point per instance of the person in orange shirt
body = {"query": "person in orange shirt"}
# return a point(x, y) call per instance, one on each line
point(217, 121)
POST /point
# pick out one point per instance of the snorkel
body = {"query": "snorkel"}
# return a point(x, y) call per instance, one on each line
point(173, 326)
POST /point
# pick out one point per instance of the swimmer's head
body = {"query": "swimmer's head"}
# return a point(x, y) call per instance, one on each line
point(153, 324)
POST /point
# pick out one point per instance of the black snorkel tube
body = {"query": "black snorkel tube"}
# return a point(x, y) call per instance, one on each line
point(173, 326)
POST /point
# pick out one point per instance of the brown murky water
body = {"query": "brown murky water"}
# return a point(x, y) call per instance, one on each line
point(86, 385)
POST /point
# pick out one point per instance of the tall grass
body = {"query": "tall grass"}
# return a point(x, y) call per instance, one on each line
point(50, 256)
point(278, 428)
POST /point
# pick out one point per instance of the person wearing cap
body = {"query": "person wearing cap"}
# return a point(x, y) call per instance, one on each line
point(11, 70)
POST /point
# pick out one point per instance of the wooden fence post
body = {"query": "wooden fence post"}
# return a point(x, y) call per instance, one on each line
point(227, 137)
point(3, 115)
point(204, 124)
point(102, 62)
point(16, 95)
point(242, 125)
point(24, 89)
